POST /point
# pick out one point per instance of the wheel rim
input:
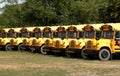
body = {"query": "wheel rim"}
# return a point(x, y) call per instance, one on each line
point(8, 47)
point(21, 48)
point(68, 54)
point(83, 54)
point(43, 50)
point(104, 54)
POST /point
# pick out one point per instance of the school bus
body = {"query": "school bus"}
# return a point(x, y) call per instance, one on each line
point(86, 32)
point(24, 35)
point(14, 41)
point(3, 34)
point(57, 33)
point(105, 46)
point(27, 42)
point(38, 43)
point(74, 36)
point(48, 44)
point(62, 43)
point(8, 35)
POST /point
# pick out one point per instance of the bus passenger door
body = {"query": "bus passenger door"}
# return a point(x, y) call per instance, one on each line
point(117, 41)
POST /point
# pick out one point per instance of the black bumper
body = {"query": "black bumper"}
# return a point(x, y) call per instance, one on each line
point(58, 49)
point(73, 50)
point(91, 52)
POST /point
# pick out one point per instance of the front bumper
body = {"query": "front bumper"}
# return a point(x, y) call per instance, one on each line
point(73, 50)
point(48, 47)
point(2, 46)
point(91, 52)
point(58, 49)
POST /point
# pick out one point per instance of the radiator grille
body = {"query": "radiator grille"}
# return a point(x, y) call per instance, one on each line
point(47, 42)
point(24, 42)
point(34, 42)
point(89, 44)
point(72, 43)
point(12, 41)
point(57, 43)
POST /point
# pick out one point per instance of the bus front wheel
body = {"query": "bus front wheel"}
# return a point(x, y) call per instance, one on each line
point(83, 54)
point(43, 50)
point(21, 47)
point(104, 54)
point(8, 47)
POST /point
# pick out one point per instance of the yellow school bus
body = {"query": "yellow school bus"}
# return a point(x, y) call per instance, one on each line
point(8, 35)
point(75, 40)
point(27, 42)
point(14, 41)
point(105, 46)
point(24, 34)
point(48, 44)
point(38, 43)
point(86, 32)
point(3, 34)
point(61, 44)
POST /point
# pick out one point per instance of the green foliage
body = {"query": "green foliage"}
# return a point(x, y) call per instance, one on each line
point(56, 12)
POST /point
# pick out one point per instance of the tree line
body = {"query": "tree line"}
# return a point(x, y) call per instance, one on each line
point(59, 12)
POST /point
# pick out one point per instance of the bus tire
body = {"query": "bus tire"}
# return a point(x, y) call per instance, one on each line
point(8, 47)
point(42, 50)
point(68, 54)
point(21, 48)
point(83, 54)
point(104, 54)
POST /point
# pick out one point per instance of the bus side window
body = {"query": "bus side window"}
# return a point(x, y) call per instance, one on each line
point(98, 34)
point(117, 37)
point(3, 35)
point(117, 34)
point(55, 34)
point(31, 34)
point(19, 35)
point(34, 35)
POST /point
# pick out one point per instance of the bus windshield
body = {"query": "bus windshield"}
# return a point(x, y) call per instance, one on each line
point(107, 34)
point(47, 34)
point(117, 34)
point(25, 34)
point(89, 34)
point(3, 35)
point(10, 34)
point(37, 34)
point(72, 34)
point(59, 34)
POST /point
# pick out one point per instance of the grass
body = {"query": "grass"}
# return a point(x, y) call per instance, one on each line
point(13, 63)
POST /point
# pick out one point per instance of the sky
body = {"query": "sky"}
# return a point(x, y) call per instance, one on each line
point(3, 4)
